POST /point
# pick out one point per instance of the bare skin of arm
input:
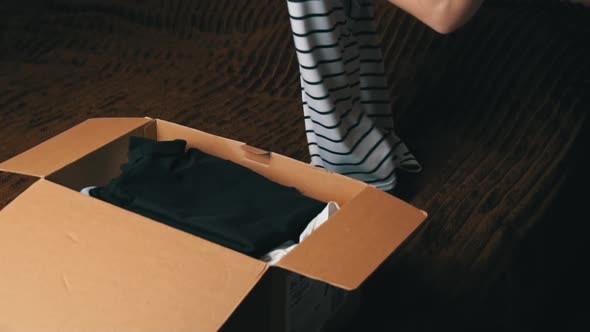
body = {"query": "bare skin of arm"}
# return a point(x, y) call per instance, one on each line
point(444, 16)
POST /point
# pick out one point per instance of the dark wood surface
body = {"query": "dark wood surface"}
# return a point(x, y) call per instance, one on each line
point(496, 113)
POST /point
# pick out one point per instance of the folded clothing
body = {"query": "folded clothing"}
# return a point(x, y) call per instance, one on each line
point(273, 257)
point(207, 196)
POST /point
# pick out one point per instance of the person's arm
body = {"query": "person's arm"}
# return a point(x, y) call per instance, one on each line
point(443, 16)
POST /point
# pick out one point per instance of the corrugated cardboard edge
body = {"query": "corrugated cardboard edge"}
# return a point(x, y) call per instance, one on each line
point(150, 129)
point(70, 145)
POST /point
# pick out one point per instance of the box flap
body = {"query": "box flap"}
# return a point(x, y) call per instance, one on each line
point(70, 145)
point(69, 262)
point(355, 240)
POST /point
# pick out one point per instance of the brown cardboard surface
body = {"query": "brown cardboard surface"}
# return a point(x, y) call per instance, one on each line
point(70, 145)
point(355, 240)
point(80, 264)
point(69, 262)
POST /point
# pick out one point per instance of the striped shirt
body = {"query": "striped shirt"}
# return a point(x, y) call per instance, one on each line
point(346, 101)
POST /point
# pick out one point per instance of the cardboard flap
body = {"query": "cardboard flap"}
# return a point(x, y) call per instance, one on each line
point(69, 262)
point(70, 145)
point(355, 240)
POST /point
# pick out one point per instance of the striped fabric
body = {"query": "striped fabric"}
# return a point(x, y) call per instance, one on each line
point(346, 102)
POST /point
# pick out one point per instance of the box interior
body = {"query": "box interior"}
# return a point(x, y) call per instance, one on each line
point(343, 252)
point(52, 217)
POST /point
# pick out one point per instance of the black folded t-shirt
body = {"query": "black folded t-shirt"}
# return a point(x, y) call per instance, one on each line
point(207, 196)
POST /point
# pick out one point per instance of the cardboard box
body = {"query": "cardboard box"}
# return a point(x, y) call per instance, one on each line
point(69, 262)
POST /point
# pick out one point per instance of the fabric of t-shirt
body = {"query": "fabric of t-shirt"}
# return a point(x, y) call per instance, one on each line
point(207, 196)
point(277, 254)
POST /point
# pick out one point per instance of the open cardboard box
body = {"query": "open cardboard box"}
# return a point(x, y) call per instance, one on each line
point(69, 262)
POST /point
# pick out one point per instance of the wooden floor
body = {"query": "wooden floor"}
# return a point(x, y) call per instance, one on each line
point(496, 113)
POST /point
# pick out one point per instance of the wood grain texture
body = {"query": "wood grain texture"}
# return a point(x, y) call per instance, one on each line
point(12, 185)
point(496, 113)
